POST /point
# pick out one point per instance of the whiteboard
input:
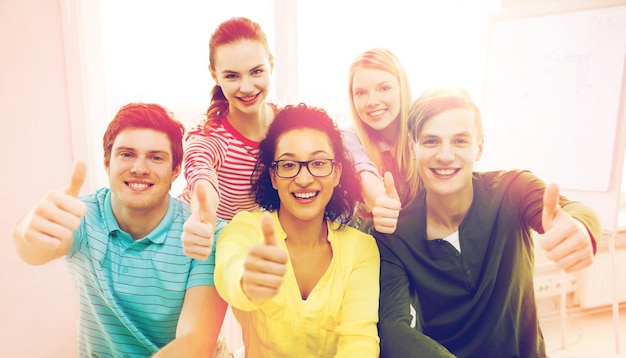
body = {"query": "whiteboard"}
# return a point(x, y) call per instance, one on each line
point(552, 94)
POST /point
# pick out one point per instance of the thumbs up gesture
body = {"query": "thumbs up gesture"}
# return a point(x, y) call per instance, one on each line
point(387, 207)
point(198, 230)
point(47, 231)
point(566, 240)
point(265, 266)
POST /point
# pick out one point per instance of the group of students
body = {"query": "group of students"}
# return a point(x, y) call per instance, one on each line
point(380, 239)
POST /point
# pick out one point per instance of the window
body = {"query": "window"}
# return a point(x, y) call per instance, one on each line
point(158, 51)
point(438, 43)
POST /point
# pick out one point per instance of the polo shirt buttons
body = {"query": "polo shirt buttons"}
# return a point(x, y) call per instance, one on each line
point(125, 270)
point(468, 272)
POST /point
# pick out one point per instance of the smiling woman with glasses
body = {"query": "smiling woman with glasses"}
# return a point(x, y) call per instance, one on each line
point(300, 281)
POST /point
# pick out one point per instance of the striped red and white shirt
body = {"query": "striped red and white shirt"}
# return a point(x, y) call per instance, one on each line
point(225, 158)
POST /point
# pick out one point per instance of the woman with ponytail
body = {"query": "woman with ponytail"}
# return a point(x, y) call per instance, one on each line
point(220, 153)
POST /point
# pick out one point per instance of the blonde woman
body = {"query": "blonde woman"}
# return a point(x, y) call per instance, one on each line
point(380, 97)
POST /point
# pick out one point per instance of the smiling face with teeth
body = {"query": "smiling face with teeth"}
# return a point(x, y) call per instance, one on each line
point(376, 98)
point(243, 69)
point(140, 172)
point(304, 197)
point(447, 147)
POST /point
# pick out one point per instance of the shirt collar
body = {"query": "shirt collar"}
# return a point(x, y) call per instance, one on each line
point(157, 235)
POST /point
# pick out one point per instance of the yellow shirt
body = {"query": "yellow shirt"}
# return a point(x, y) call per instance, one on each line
point(339, 317)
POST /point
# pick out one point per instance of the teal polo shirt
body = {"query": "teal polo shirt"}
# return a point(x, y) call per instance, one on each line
point(131, 292)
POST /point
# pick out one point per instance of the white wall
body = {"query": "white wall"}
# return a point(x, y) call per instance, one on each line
point(38, 305)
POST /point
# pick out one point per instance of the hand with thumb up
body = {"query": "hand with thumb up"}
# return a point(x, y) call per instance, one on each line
point(387, 207)
point(265, 266)
point(47, 231)
point(197, 237)
point(566, 240)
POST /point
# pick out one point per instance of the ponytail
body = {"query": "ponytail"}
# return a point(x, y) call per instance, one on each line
point(218, 107)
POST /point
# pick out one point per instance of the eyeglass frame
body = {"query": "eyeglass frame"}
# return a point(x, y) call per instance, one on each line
point(300, 165)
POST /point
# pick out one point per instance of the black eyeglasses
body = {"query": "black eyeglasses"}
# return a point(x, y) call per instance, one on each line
point(291, 168)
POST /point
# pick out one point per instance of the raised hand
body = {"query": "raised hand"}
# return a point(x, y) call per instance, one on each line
point(566, 240)
point(47, 231)
point(265, 266)
point(198, 230)
point(387, 207)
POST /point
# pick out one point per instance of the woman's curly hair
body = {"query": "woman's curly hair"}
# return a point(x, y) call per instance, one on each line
point(340, 208)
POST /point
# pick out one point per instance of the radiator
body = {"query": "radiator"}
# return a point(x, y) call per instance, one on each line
point(597, 282)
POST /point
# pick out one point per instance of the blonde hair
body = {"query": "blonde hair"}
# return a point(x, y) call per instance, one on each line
point(385, 60)
point(439, 99)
